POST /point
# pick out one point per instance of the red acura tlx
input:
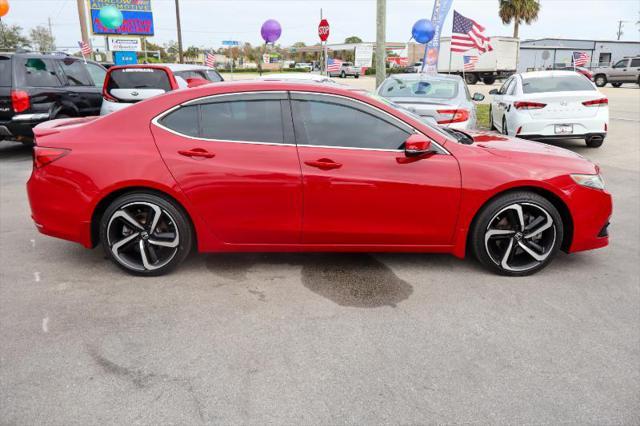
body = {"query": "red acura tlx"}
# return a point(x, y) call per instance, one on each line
point(278, 166)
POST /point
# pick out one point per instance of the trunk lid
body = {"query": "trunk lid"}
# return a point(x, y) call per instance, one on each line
point(53, 127)
point(565, 105)
point(427, 108)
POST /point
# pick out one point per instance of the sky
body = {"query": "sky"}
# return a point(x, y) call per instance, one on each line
point(206, 23)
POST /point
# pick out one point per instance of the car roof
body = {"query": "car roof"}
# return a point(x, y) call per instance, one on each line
point(171, 67)
point(551, 73)
point(296, 77)
point(424, 76)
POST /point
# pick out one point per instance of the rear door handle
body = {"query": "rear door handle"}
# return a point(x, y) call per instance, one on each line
point(324, 164)
point(197, 152)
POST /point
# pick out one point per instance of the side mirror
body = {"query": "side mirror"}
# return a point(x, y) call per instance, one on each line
point(478, 97)
point(417, 145)
point(492, 92)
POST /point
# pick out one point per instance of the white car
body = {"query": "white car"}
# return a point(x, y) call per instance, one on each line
point(546, 105)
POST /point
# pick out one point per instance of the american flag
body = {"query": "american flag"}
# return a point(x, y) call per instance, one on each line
point(84, 48)
point(467, 35)
point(210, 60)
point(333, 65)
point(470, 62)
point(580, 59)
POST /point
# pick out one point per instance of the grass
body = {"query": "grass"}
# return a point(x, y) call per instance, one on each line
point(482, 112)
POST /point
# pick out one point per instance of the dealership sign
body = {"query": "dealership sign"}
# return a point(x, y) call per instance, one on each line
point(124, 44)
point(137, 17)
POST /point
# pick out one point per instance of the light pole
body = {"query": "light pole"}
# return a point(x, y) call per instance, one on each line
point(82, 16)
point(381, 30)
point(180, 58)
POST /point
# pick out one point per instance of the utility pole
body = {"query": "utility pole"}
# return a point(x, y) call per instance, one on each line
point(50, 31)
point(620, 23)
point(381, 40)
point(180, 59)
point(82, 16)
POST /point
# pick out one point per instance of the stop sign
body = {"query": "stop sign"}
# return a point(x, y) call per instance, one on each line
point(323, 30)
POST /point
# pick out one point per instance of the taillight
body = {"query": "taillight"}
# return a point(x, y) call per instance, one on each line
point(528, 105)
point(43, 156)
point(596, 102)
point(20, 100)
point(456, 115)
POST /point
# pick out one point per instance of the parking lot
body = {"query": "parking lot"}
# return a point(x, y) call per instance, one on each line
point(324, 338)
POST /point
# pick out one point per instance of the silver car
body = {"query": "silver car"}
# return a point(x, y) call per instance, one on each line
point(440, 99)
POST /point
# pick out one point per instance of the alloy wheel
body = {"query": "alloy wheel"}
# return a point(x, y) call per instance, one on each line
point(520, 237)
point(142, 236)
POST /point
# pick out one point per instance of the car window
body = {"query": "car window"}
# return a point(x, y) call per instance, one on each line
point(188, 74)
point(213, 75)
point(76, 72)
point(568, 83)
point(635, 63)
point(138, 78)
point(183, 120)
point(503, 88)
point(621, 64)
point(324, 123)
point(5, 71)
point(423, 88)
point(250, 121)
point(512, 87)
point(97, 74)
point(37, 72)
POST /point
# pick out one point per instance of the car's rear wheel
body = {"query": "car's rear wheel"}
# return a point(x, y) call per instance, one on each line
point(145, 234)
point(517, 234)
point(470, 78)
point(489, 80)
point(594, 141)
point(616, 84)
point(600, 80)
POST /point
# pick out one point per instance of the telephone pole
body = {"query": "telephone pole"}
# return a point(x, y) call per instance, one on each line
point(82, 16)
point(381, 40)
point(180, 59)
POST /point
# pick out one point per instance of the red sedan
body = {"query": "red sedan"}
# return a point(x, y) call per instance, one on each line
point(282, 166)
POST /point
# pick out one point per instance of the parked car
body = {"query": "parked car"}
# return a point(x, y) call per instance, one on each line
point(441, 99)
point(346, 69)
point(546, 105)
point(580, 70)
point(127, 84)
point(35, 87)
point(223, 167)
point(311, 78)
point(626, 70)
point(303, 66)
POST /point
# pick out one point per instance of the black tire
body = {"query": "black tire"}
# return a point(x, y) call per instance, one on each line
point(343, 74)
point(594, 142)
point(169, 243)
point(616, 84)
point(505, 130)
point(490, 247)
point(61, 116)
point(489, 80)
point(470, 78)
point(600, 80)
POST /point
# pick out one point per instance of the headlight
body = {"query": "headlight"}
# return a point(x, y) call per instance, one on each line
point(590, 181)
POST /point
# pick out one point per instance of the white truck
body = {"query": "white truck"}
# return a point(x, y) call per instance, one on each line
point(499, 63)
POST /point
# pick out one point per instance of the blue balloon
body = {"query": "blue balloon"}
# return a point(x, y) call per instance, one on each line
point(423, 31)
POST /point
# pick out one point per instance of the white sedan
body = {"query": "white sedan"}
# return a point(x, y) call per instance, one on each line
point(546, 105)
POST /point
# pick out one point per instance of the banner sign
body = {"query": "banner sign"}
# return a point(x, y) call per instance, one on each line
point(124, 44)
point(364, 56)
point(440, 10)
point(137, 17)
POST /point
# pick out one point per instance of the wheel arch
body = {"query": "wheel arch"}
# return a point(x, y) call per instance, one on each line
point(108, 198)
point(553, 198)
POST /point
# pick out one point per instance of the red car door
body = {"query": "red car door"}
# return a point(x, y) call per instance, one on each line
point(235, 158)
point(359, 187)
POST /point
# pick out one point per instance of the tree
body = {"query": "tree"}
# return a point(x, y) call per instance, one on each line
point(192, 52)
point(11, 37)
point(518, 11)
point(42, 39)
point(353, 39)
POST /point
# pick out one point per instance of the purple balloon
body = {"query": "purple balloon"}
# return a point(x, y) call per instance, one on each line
point(271, 30)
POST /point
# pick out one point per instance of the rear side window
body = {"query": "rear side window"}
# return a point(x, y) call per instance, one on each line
point(251, 121)
point(97, 74)
point(138, 78)
point(570, 83)
point(5, 71)
point(635, 63)
point(37, 72)
point(183, 120)
point(76, 73)
point(209, 75)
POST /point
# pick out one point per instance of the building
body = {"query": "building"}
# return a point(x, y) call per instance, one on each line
point(549, 53)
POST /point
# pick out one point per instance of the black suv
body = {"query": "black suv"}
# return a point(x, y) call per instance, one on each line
point(37, 87)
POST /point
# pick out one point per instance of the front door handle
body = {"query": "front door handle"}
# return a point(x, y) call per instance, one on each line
point(324, 164)
point(197, 152)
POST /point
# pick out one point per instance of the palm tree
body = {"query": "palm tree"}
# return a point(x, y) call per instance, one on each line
point(518, 11)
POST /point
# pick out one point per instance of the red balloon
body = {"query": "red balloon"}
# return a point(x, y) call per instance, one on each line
point(4, 7)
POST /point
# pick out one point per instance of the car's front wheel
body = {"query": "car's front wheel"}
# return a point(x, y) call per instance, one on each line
point(145, 234)
point(616, 84)
point(343, 74)
point(600, 80)
point(517, 234)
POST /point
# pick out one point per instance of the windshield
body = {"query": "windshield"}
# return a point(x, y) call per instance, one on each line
point(569, 83)
point(428, 89)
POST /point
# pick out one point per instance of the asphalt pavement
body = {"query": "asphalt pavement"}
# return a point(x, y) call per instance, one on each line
point(324, 338)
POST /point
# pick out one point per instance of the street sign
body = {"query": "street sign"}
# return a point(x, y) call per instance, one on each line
point(323, 30)
point(364, 56)
point(230, 43)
